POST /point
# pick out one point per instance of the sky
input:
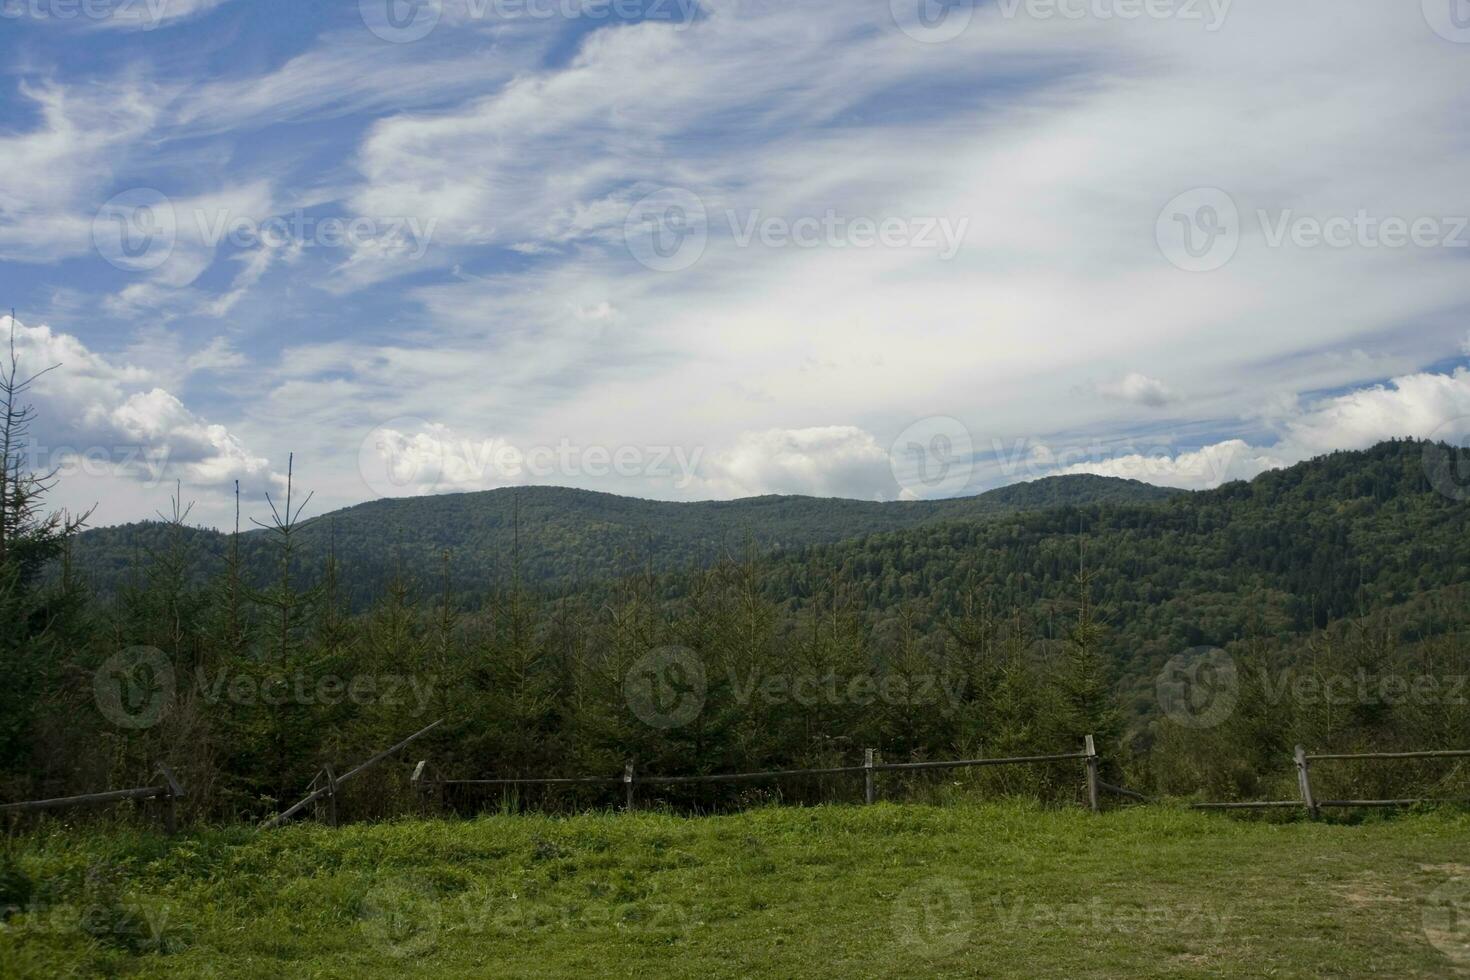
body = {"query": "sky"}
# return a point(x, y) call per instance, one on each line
point(694, 249)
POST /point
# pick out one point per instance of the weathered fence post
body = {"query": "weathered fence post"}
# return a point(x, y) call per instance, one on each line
point(1304, 780)
point(1091, 762)
point(870, 791)
point(331, 795)
point(628, 782)
point(170, 801)
point(418, 783)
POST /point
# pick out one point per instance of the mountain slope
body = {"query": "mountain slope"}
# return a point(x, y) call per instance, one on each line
point(1344, 535)
point(567, 537)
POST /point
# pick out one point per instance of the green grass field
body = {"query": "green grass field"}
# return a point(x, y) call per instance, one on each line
point(882, 891)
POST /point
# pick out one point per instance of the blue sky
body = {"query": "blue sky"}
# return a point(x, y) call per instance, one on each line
point(689, 250)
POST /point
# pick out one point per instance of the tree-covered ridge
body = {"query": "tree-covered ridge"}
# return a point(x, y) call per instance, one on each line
point(1289, 552)
point(560, 539)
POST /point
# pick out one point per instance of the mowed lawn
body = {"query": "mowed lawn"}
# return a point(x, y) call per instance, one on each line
point(881, 891)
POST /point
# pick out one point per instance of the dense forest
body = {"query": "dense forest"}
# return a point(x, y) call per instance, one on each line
point(1016, 622)
point(559, 539)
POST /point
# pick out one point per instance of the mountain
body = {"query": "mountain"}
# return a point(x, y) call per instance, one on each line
point(564, 538)
point(1330, 540)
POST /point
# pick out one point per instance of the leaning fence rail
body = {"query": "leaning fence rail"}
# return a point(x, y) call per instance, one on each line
point(170, 792)
point(332, 782)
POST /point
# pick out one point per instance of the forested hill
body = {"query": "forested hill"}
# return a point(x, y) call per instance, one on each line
point(1348, 534)
point(566, 537)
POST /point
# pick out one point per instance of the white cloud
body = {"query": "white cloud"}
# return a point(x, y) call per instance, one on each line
point(53, 172)
point(103, 424)
point(824, 461)
point(1139, 389)
point(1421, 406)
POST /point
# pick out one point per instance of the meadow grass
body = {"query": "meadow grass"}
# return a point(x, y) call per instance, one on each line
point(883, 891)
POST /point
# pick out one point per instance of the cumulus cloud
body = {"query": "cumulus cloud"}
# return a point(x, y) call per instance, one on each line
point(824, 461)
point(1139, 389)
point(1421, 406)
point(99, 421)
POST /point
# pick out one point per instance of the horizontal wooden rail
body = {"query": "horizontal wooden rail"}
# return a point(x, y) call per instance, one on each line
point(962, 763)
point(734, 777)
point(88, 799)
point(1261, 805)
point(531, 780)
point(868, 769)
point(170, 793)
point(1446, 754)
point(1387, 803)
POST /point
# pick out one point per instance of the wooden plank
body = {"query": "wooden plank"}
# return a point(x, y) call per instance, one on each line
point(389, 751)
point(733, 777)
point(170, 800)
point(533, 781)
point(1446, 754)
point(1366, 803)
point(312, 797)
point(1262, 805)
point(869, 789)
point(331, 781)
point(87, 799)
point(962, 763)
point(1091, 765)
point(1304, 781)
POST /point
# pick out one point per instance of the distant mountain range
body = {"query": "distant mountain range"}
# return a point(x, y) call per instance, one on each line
point(558, 539)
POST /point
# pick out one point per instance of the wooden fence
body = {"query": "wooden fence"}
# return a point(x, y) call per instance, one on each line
point(325, 784)
point(1303, 762)
point(869, 771)
point(170, 792)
